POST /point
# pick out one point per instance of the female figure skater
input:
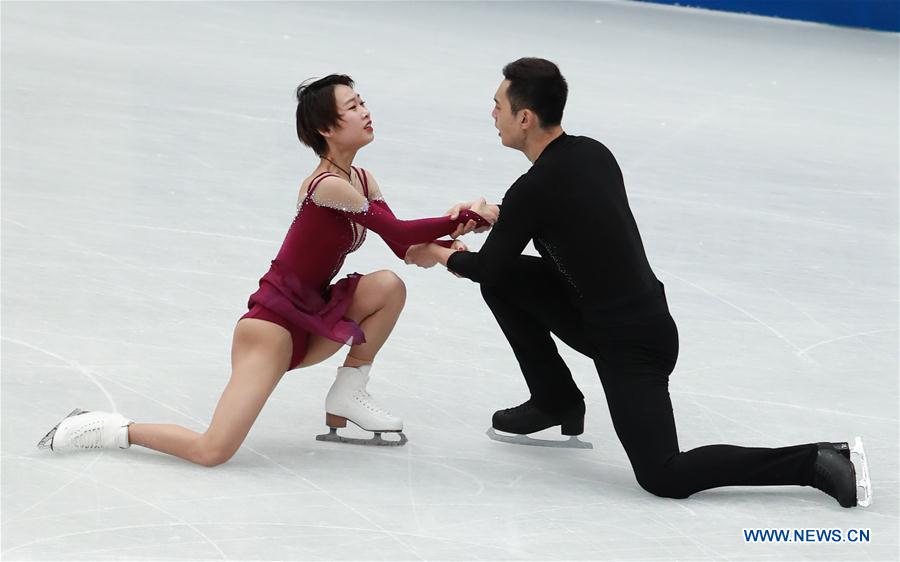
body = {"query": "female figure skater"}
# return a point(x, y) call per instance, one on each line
point(298, 318)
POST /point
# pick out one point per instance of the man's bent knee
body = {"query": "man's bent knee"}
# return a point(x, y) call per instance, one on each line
point(663, 483)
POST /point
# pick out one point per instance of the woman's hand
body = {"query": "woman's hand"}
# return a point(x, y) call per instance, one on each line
point(421, 255)
point(458, 246)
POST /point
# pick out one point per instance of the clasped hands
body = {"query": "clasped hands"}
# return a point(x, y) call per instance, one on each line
point(429, 254)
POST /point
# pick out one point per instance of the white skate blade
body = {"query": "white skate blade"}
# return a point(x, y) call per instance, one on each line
point(573, 442)
point(47, 441)
point(333, 437)
point(863, 481)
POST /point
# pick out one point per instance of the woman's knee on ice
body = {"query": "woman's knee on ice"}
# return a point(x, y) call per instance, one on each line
point(210, 457)
point(209, 453)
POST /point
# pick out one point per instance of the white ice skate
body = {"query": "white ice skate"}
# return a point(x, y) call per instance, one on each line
point(348, 400)
point(863, 481)
point(88, 430)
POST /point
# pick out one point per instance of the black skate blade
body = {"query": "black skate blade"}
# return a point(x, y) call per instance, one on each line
point(573, 442)
point(47, 441)
point(377, 440)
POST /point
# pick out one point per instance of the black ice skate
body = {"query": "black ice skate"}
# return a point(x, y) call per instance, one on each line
point(836, 475)
point(527, 418)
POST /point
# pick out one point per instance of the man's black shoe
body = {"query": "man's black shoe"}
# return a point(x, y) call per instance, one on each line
point(835, 474)
point(527, 418)
point(841, 447)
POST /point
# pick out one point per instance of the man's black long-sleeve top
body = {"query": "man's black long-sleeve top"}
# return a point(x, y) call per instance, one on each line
point(572, 203)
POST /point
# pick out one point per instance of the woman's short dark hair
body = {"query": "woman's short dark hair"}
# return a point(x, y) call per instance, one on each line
point(317, 109)
point(537, 84)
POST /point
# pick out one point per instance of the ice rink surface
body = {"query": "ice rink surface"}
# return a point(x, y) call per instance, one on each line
point(150, 170)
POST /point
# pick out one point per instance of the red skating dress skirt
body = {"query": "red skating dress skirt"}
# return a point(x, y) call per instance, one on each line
point(297, 292)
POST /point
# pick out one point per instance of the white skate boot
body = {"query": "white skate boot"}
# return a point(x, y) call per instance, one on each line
point(88, 430)
point(348, 400)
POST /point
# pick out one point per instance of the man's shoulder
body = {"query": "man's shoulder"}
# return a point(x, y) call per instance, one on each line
point(526, 181)
point(563, 155)
point(586, 143)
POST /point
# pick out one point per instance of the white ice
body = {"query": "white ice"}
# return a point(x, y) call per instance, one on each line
point(150, 170)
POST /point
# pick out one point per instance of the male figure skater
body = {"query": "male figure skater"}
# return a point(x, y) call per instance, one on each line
point(593, 287)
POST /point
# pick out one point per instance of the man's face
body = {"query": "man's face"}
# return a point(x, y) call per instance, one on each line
point(511, 133)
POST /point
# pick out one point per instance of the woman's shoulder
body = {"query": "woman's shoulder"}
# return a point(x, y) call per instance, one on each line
point(315, 177)
point(310, 181)
point(337, 193)
point(370, 187)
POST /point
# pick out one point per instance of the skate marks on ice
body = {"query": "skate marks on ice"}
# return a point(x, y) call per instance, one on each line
point(70, 363)
point(727, 302)
point(103, 483)
point(467, 497)
point(86, 475)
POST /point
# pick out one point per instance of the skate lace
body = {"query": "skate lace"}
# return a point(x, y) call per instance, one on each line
point(367, 400)
point(89, 436)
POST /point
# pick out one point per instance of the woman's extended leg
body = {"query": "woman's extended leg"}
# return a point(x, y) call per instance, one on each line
point(260, 355)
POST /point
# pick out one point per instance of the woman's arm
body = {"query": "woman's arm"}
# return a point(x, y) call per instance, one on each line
point(398, 248)
point(376, 197)
point(339, 196)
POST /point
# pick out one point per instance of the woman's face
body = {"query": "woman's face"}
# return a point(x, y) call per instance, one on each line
point(355, 127)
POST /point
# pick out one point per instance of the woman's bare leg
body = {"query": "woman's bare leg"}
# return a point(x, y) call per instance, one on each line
point(377, 304)
point(260, 355)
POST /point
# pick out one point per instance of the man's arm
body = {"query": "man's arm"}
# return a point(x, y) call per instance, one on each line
point(508, 237)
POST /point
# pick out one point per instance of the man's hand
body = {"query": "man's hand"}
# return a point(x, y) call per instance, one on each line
point(421, 255)
point(454, 211)
point(489, 212)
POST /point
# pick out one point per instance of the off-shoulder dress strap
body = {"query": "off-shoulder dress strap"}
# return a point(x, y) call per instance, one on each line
point(316, 181)
point(361, 173)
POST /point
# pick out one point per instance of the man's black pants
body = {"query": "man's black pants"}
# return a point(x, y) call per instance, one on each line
point(634, 360)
